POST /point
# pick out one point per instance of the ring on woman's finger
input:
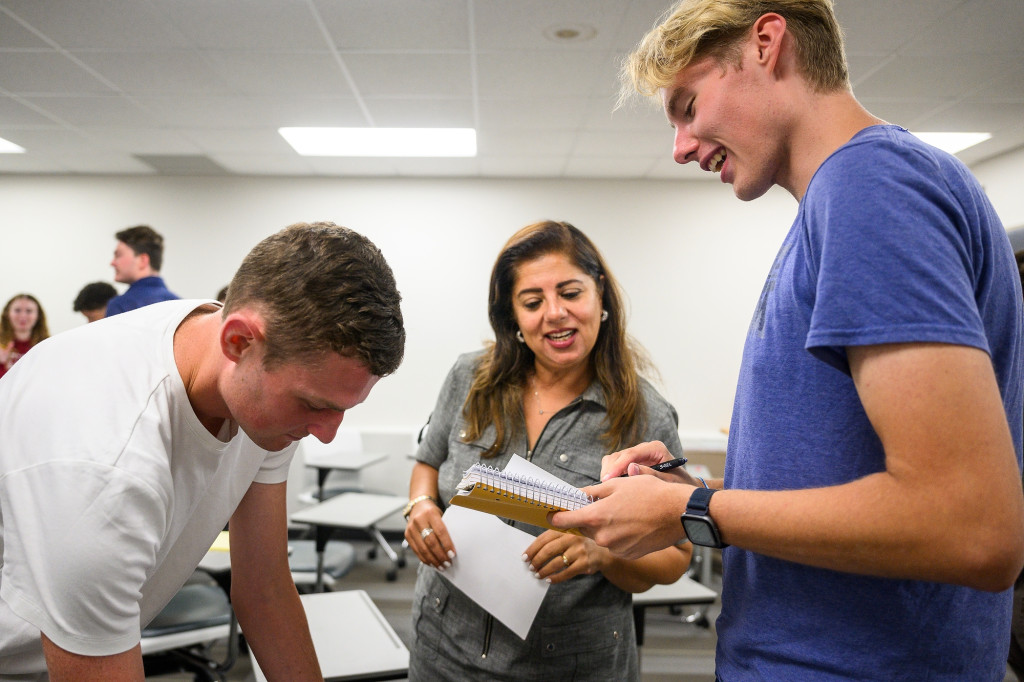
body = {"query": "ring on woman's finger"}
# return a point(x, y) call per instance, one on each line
point(425, 532)
point(565, 561)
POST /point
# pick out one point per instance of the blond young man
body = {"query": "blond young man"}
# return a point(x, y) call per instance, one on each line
point(871, 514)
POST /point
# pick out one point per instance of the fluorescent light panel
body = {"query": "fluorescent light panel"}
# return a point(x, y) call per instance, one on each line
point(381, 141)
point(953, 142)
point(7, 147)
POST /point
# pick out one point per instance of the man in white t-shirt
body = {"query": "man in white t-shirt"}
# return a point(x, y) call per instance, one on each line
point(126, 445)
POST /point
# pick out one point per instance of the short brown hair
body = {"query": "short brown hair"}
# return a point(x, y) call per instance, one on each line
point(322, 288)
point(143, 239)
point(694, 29)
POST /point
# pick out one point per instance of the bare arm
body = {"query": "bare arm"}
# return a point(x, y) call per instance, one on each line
point(950, 472)
point(585, 557)
point(262, 591)
point(65, 666)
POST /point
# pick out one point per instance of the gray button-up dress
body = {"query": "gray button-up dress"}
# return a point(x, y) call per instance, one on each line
point(584, 630)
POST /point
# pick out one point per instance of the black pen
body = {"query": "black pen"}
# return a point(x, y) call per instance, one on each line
point(663, 466)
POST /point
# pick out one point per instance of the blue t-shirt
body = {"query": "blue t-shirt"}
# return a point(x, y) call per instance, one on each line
point(142, 292)
point(893, 242)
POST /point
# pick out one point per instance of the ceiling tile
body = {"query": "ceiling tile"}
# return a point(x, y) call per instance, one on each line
point(529, 24)
point(99, 24)
point(949, 75)
point(421, 112)
point(19, 113)
point(436, 75)
point(883, 26)
point(46, 72)
point(234, 140)
point(396, 25)
point(108, 110)
point(550, 73)
point(523, 142)
point(154, 73)
point(245, 25)
point(278, 73)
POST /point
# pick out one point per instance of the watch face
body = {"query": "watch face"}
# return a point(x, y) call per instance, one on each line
point(700, 532)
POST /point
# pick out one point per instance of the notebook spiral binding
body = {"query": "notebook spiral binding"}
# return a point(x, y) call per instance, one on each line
point(525, 488)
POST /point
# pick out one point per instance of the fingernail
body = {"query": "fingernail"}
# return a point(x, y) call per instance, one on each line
point(441, 568)
point(447, 564)
point(547, 580)
point(451, 554)
point(526, 558)
point(532, 569)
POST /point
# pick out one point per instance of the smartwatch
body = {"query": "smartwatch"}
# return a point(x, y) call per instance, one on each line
point(699, 526)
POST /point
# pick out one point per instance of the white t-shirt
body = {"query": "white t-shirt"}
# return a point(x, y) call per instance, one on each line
point(111, 490)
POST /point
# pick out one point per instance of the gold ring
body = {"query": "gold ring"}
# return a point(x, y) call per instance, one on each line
point(565, 561)
point(425, 532)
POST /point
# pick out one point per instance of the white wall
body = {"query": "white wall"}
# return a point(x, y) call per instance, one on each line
point(1001, 178)
point(690, 257)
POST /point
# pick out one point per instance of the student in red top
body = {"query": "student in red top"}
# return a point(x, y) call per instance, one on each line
point(22, 325)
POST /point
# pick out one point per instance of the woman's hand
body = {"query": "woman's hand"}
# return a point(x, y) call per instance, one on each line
point(428, 536)
point(555, 556)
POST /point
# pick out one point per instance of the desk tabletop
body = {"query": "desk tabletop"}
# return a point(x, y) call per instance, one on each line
point(683, 591)
point(352, 638)
point(344, 461)
point(351, 510)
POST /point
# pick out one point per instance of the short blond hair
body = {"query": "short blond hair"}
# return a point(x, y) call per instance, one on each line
point(694, 29)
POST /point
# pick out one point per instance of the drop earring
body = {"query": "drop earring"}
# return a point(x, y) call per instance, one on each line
point(519, 336)
point(604, 315)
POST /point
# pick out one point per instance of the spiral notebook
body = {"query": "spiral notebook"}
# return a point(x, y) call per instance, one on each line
point(518, 495)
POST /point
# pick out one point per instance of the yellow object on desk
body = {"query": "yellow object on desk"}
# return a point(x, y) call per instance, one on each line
point(221, 543)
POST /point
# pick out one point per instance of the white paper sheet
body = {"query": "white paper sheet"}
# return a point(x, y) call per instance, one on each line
point(489, 567)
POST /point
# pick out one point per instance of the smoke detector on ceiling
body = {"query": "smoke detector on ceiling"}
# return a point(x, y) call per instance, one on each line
point(570, 33)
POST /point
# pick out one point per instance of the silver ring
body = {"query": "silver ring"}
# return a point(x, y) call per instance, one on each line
point(425, 532)
point(565, 561)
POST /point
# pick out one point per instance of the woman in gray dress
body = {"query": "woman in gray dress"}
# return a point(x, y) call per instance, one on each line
point(560, 386)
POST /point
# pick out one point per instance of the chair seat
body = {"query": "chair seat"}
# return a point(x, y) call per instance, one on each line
point(195, 606)
point(339, 557)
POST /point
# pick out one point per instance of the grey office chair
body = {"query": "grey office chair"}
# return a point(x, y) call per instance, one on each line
point(181, 637)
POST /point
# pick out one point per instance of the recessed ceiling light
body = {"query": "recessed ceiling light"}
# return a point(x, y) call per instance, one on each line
point(7, 147)
point(381, 141)
point(570, 33)
point(953, 142)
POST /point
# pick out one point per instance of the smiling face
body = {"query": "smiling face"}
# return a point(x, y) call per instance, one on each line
point(128, 266)
point(278, 406)
point(23, 314)
point(558, 309)
point(723, 119)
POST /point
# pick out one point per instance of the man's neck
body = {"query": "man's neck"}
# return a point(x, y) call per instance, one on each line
point(199, 360)
point(824, 124)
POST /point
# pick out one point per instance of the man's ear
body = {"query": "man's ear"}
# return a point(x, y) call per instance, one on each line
point(143, 261)
point(768, 33)
point(241, 333)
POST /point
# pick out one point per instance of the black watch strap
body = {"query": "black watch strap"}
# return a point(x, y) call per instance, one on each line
point(700, 500)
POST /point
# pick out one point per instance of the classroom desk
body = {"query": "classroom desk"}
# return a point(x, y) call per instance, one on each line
point(683, 592)
point(353, 641)
point(325, 461)
point(361, 511)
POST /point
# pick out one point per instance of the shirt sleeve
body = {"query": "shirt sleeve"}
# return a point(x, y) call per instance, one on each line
point(433, 449)
point(79, 544)
point(275, 465)
point(662, 421)
point(890, 255)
